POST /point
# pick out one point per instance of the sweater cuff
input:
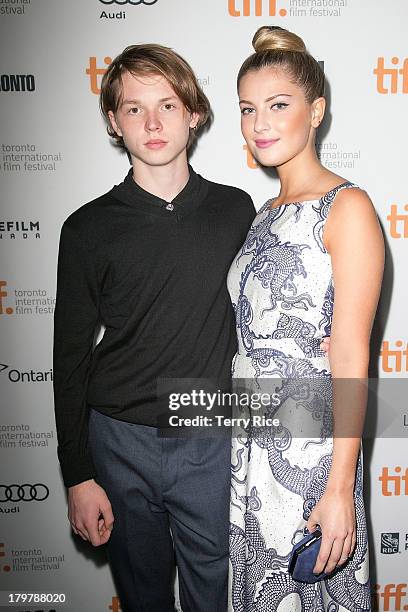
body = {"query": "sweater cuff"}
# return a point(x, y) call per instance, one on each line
point(76, 469)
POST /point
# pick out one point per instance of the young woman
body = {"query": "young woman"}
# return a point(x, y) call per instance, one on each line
point(320, 232)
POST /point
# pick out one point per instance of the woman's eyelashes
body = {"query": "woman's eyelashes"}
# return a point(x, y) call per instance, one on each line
point(277, 106)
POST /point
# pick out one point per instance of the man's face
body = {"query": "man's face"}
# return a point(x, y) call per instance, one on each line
point(152, 120)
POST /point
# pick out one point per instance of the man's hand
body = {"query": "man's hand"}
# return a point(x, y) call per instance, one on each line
point(90, 512)
point(325, 345)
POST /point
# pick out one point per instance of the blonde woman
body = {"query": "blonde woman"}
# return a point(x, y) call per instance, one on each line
point(321, 232)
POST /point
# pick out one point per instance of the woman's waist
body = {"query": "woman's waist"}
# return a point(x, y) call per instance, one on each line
point(300, 347)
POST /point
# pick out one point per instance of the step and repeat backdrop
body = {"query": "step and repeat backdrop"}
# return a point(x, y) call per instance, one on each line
point(55, 155)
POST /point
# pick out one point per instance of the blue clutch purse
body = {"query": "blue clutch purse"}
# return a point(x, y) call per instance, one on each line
point(303, 558)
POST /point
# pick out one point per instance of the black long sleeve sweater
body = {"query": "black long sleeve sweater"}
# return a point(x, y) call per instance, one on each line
point(154, 273)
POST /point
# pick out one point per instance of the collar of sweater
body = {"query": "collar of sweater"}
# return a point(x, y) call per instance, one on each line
point(189, 198)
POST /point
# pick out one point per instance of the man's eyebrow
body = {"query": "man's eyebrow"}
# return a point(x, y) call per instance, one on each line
point(130, 102)
point(139, 102)
point(267, 99)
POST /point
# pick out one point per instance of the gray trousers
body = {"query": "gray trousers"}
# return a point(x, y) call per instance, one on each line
point(170, 500)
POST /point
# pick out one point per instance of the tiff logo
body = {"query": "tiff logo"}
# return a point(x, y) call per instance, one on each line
point(398, 222)
point(134, 2)
point(95, 74)
point(389, 79)
point(250, 159)
point(4, 568)
point(3, 294)
point(394, 360)
point(390, 598)
point(392, 485)
point(115, 605)
point(246, 8)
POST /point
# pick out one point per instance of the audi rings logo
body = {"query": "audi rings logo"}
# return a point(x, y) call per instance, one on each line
point(134, 2)
point(24, 492)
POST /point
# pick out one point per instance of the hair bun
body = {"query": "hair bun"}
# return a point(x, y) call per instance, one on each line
point(274, 38)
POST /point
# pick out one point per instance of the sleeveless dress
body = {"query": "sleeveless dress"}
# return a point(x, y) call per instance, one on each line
point(281, 286)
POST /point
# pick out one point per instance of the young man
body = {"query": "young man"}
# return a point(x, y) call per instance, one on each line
point(149, 260)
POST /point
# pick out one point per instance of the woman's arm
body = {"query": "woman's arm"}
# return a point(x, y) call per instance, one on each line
point(354, 240)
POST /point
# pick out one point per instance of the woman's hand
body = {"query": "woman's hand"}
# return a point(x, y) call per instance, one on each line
point(336, 515)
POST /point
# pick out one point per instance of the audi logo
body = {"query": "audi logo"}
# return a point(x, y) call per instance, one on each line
point(134, 2)
point(24, 492)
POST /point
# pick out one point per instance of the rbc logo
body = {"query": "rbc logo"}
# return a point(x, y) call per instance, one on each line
point(389, 543)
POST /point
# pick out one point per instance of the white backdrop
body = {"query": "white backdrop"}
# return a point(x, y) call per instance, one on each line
point(55, 156)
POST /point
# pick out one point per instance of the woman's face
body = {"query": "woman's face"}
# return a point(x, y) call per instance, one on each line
point(277, 122)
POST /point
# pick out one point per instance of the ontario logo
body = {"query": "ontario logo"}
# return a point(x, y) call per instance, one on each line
point(29, 376)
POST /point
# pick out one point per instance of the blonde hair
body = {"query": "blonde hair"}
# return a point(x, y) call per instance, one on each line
point(279, 48)
point(152, 59)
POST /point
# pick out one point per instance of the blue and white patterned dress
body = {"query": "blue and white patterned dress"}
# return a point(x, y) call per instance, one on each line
point(282, 290)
